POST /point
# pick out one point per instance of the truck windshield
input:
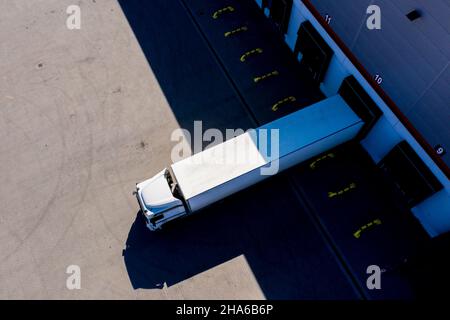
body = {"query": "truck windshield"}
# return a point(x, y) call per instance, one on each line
point(172, 184)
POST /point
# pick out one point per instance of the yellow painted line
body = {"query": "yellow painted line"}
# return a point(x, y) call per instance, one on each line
point(332, 194)
point(249, 53)
point(283, 101)
point(235, 31)
point(341, 192)
point(315, 162)
point(370, 225)
point(221, 11)
point(265, 76)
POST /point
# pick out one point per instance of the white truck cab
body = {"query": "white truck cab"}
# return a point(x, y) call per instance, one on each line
point(159, 200)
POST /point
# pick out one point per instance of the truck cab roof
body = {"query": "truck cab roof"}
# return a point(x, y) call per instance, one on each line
point(157, 195)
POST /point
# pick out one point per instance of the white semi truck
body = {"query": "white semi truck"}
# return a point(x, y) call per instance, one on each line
point(204, 178)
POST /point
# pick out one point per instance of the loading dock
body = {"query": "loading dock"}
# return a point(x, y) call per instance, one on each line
point(280, 12)
point(413, 180)
point(315, 52)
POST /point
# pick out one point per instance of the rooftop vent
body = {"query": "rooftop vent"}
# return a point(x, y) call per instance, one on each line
point(414, 15)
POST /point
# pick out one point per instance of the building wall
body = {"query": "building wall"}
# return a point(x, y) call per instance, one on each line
point(413, 58)
point(434, 212)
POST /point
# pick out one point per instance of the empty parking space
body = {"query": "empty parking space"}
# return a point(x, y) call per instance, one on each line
point(256, 52)
point(361, 212)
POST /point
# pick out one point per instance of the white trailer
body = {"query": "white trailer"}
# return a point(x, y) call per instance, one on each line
point(217, 172)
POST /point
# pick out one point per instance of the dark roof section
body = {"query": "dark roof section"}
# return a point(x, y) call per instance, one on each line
point(389, 102)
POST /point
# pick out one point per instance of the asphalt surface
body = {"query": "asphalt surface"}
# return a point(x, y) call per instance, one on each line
point(87, 113)
point(397, 237)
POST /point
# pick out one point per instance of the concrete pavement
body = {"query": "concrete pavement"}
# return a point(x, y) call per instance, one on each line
point(87, 113)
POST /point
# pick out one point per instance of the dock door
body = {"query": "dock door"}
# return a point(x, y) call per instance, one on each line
point(280, 12)
point(315, 52)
